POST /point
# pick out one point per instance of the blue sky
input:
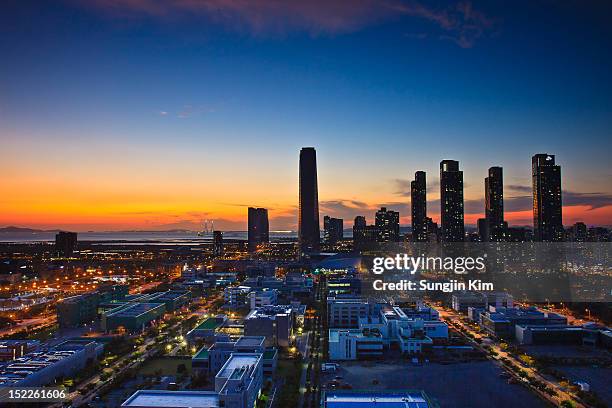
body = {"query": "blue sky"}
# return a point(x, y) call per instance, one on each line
point(219, 96)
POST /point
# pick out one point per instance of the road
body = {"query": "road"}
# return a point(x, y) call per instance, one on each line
point(33, 323)
point(77, 399)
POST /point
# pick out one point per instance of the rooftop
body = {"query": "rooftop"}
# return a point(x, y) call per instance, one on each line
point(238, 361)
point(173, 399)
point(135, 309)
point(357, 399)
point(209, 324)
point(251, 341)
point(202, 354)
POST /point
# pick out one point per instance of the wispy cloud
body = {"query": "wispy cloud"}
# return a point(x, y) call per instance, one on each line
point(460, 23)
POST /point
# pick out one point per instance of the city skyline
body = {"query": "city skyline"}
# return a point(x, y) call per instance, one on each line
point(126, 116)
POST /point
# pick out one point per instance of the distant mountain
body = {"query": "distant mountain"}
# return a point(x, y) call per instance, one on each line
point(13, 229)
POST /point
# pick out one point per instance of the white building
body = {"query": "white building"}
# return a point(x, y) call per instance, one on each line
point(345, 312)
point(389, 327)
point(265, 297)
point(236, 296)
point(240, 380)
point(237, 385)
point(354, 344)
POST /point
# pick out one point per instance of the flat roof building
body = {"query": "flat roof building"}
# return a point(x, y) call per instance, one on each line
point(172, 399)
point(383, 399)
point(133, 317)
point(41, 368)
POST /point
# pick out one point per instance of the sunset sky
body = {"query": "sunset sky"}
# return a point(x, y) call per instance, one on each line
point(151, 114)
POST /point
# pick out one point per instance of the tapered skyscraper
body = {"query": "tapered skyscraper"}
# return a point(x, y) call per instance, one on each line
point(418, 204)
point(547, 210)
point(308, 222)
point(451, 201)
point(494, 205)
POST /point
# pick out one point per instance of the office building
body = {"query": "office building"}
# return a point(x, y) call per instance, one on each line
point(363, 234)
point(217, 243)
point(387, 223)
point(210, 359)
point(418, 204)
point(42, 368)
point(239, 381)
point(355, 344)
point(494, 206)
point(345, 312)
point(333, 230)
point(501, 322)
point(264, 297)
point(133, 317)
point(208, 329)
point(366, 398)
point(577, 232)
point(275, 323)
point(386, 327)
point(547, 209)
point(236, 296)
point(451, 201)
point(75, 311)
point(65, 243)
point(237, 385)
point(259, 227)
point(172, 399)
point(309, 235)
point(12, 349)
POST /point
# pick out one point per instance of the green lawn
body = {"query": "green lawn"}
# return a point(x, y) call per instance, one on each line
point(167, 366)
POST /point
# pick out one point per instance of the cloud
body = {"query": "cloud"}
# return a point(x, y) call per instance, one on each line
point(460, 23)
point(402, 186)
point(570, 198)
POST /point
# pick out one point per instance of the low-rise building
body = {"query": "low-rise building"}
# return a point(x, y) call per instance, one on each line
point(133, 316)
point(172, 399)
point(208, 329)
point(239, 381)
point(501, 322)
point(237, 385)
point(386, 399)
point(345, 312)
point(388, 328)
point(355, 344)
point(264, 297)
point(12, 349)
point(210, 359)
point(75, 311)
point(236, 296)
point(275, 323)
point(42, 368)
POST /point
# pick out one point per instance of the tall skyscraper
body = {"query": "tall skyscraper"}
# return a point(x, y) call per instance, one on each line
point(418, 204)
point(451, 201)
point(309, 234)
point(387, 223)
point(494, 205)
point(217, 243)
point(66, 243)
point(333, 229)
point(547, 210)
point(259, 228)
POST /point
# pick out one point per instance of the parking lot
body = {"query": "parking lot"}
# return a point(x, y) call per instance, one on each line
point(460, 385)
